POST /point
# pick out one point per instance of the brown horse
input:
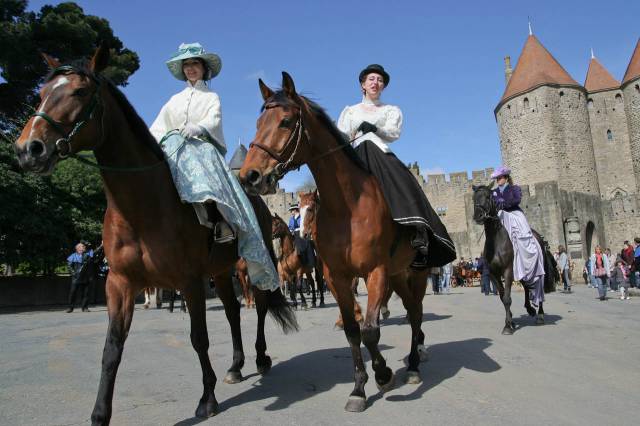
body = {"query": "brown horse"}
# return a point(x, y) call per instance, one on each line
point(356, 235)
point(150, 237)
point(242, 273)
point(290, 267)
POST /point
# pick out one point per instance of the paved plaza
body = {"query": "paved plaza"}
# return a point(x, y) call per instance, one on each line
point(578, 369)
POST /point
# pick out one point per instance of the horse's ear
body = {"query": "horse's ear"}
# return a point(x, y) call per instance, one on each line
point(490, 185)
point(288, 86)
point(267, 93)
point(474, 187)
point(316, 194)
point(51, 61)
point(100, 59)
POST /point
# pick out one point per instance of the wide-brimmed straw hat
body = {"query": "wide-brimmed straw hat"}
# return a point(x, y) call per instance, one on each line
point(194, 50)
point(501, 171)
point(377, 69)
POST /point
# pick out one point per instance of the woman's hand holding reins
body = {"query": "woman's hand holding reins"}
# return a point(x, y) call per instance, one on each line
point(367, 127)
point(191, 130)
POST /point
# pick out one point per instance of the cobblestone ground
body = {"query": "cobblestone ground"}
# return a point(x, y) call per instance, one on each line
point(580, 368)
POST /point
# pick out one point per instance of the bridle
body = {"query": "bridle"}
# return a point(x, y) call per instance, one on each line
point(63, 145)
point(284, 164)
point(487, 213)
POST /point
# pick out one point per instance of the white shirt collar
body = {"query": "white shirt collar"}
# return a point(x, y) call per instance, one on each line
point(368, 101)
point(199, 85)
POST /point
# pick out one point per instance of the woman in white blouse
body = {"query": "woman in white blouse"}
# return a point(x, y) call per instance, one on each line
point(189, 129)
point(371, 126)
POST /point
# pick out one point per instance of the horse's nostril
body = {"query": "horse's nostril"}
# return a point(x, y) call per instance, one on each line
point(36, 148)
point(254, 177)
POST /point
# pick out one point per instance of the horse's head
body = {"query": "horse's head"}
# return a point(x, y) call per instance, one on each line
point(483, 205)
point(308, 210)
point(66, 120)
point(278, 227)
point(281, 143)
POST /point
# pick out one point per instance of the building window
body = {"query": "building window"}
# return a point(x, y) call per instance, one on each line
point(637, 88)
point(442, 211)
point(609, 135)
point(590, 103)
point(619, 98)
point(561, 93)
point(526, 103)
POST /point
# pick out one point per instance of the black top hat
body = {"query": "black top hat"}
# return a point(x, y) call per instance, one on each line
point(375, 68)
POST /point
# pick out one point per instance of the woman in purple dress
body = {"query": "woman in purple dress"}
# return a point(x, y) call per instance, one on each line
point(528, 264)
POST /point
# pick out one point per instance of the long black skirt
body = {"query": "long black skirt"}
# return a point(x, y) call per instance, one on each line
point(408, 203)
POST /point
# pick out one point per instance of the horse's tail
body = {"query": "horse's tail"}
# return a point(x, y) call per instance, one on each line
point(281, 312)
point(551, 275)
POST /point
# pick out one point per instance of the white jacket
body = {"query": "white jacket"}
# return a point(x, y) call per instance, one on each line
point(196, 104)
point(387, 118)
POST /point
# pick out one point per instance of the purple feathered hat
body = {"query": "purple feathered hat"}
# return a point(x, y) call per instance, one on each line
point(500, 171)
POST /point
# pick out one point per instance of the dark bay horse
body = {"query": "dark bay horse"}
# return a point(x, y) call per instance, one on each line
point(242, 273)
point(150, 237)
point(356, 235)
point(290, 267)
point(498, 252)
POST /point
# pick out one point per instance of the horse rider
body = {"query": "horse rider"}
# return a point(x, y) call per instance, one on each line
point(303, 248)
point(371, 126)
point(189, 129)
point(528, 263)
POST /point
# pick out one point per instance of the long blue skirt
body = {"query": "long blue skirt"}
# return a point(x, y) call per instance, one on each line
point(201, 175)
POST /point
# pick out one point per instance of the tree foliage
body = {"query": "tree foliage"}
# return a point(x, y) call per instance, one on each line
point(42, 217)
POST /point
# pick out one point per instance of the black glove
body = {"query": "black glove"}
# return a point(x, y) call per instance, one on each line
point(367, 127)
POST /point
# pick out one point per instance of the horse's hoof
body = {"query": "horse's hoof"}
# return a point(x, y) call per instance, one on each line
point(507, 330)
point(207, 408)
point(422, 352)
point(387, 386)
point(321, 304)
point(313, 305)
point(531, 312)
point(540, 320)
point(264, 368)
point(233, 377)
point(412, 378)
point(386, 314)
point(338, 327)
point(305, 307)
point(356, 404)
point(146, 306)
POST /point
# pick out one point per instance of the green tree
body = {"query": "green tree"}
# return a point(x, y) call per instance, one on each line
point(41, 217)
point(63, 31)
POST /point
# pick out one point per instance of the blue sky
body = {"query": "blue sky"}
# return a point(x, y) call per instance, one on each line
point(445, 58)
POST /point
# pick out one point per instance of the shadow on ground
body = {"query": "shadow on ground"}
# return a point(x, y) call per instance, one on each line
point(326, 368)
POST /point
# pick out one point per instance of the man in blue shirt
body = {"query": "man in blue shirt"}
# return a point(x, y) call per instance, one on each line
point(78, 263)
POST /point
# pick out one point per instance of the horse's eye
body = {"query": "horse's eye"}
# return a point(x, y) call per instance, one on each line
point(81, 92)
point(285, 123)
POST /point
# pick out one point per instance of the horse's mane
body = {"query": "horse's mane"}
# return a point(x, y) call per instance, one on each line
point(136, 124)
point(281, 98)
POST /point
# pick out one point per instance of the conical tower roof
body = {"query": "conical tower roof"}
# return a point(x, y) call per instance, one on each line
point(238, 158)
point(536, 67)
point(633, 70)
point(598, 78)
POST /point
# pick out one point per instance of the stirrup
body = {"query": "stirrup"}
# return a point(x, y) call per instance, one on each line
point(222, 233)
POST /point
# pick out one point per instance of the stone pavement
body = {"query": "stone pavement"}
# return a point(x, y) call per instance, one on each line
point(581, 368)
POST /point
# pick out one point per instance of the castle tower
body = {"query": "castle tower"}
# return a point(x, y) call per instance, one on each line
point(609, 132)
point(631, 93)
point(543, 124)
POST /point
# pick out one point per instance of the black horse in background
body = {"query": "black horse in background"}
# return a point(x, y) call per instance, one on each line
point(498, 252)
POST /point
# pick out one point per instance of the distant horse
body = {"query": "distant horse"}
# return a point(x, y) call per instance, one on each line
point(498, 252)
point(242, 273)
point(150, 237)
point(356, 235)
point(290, 266)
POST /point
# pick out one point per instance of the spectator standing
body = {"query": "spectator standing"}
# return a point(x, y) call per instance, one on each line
point(600, 271)
point(445, 278)
point(636, 262)
point(627, 256)
point(486, 285)
point(563, 267)
point(78, 263)
point(620, 276)
point(434, 274)
point(612, 265)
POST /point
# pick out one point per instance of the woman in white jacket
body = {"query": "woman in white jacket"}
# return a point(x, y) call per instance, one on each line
point(599, 269)
point(189, 129)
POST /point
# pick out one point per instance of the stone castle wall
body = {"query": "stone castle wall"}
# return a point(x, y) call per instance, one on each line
point(631, 94)
point(610, 135)
point(545, 135)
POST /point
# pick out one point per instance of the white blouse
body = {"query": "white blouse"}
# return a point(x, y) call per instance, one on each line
point(387, 118)
point(196, 104)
